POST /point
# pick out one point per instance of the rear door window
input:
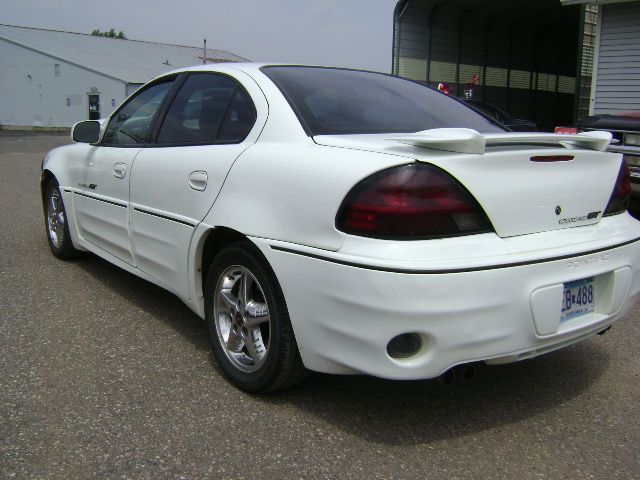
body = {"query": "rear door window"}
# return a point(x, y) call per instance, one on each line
point(209, 108)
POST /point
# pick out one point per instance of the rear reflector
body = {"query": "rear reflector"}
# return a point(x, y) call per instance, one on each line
point(551, 158)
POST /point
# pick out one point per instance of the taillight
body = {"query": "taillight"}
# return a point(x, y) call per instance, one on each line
point(411, 202)
point(621, 192)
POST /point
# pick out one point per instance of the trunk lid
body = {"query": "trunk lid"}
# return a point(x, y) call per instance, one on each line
point(520, 193)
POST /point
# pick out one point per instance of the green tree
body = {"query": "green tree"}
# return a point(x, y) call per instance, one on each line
point(110, 34)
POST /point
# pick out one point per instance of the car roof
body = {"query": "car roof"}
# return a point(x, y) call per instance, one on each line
point(254, 67)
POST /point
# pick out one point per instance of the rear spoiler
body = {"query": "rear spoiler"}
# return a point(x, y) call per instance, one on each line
point(465, 140)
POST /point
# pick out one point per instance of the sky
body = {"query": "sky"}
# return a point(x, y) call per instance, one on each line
point(344, 33)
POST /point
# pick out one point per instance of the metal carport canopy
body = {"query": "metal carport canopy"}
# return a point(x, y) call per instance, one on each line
point(593, 2)
point(525, 53)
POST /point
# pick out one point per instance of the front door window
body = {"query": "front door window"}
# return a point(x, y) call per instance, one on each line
point(132, 124)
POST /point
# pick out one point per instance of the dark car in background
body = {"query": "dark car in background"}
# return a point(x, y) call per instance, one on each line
point(625, 129)
point(502, 117)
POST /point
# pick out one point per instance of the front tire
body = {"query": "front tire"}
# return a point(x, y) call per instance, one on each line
point(55, 220)
point(248, 322)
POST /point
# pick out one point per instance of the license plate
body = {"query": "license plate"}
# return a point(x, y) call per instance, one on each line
point(579, 298)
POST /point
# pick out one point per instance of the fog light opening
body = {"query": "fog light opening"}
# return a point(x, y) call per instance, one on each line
point(404, 346)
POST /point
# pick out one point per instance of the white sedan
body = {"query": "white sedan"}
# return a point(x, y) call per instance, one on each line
point(348, 222)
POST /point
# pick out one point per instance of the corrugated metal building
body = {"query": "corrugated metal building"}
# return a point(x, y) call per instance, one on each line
point(528, 55)
point(53, 79)
point(616, 78)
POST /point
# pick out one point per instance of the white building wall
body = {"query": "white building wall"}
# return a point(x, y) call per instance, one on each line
point(617, 78)
point(33, 95)
point(132, 87)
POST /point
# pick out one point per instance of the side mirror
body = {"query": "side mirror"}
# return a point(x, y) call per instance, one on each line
point(86, 132)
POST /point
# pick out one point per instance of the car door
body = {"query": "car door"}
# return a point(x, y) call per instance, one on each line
point(211, 121)
point(101, 197)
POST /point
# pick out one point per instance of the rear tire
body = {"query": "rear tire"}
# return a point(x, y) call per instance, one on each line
point(56, 225)
point(249, 323)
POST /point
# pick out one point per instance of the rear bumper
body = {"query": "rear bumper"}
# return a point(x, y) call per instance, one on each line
point(344, 315)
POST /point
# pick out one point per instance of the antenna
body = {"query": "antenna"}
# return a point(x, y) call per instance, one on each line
point(204, 57)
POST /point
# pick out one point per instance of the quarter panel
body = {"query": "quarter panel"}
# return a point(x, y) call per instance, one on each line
point(293, 192)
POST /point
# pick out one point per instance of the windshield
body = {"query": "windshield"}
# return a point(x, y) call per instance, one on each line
point(331, 101)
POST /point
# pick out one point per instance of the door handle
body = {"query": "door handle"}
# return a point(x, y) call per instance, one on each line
point(119, 170)
point(198, 180)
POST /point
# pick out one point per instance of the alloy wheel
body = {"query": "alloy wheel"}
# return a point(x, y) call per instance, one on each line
point(55, 218)
point(242, 319)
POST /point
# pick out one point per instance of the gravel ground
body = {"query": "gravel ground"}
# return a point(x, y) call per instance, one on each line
point(103, 375)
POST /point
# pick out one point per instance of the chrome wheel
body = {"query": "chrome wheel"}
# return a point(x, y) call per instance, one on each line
point(55, 218)
point(248, 321)
point(242, 320)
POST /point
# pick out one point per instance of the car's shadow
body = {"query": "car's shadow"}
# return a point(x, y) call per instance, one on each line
point(148, 297)
point(418, 412)
point(394, 412)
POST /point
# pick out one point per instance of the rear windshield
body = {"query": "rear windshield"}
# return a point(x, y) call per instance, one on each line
point(331, 101)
